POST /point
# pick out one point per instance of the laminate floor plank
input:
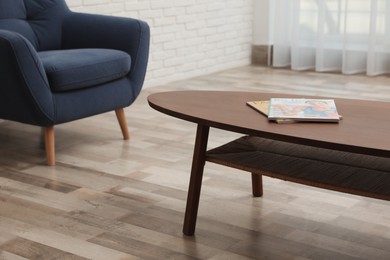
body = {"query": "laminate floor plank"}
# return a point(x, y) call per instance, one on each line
point(32, 250)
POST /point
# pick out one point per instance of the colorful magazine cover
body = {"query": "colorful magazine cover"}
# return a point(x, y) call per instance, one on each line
point(323, 110)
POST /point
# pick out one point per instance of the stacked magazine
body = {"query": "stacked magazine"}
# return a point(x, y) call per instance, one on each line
point(287, 110)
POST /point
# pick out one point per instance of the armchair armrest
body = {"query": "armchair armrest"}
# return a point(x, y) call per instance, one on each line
point(25, 94)
point(82, 30)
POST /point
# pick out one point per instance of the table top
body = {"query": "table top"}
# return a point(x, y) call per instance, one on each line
point(365, 127)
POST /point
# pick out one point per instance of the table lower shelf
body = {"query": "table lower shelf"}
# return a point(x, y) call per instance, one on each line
point(324, 168)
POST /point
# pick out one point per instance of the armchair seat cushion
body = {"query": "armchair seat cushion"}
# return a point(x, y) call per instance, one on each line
point(81, 68)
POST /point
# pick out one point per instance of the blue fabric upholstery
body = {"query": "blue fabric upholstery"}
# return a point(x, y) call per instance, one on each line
point(82, 68)
point(40, 21)
point(31, 31)
point(25, 94)
point(97, 31)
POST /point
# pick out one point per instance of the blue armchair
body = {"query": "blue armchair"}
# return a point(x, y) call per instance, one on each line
point(57, 65)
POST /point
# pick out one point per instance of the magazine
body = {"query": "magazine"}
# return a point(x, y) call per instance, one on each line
point(262, 106)
point(300, 109)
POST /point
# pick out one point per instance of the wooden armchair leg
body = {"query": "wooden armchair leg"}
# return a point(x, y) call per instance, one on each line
point(120, 114)
point(50, 145)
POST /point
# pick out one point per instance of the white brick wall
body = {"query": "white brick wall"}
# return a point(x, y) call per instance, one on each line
point(188, 37)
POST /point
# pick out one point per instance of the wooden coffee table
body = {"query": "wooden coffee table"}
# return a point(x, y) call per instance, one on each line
point(364, 131)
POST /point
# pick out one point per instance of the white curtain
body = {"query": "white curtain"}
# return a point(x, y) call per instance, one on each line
point(350, 36)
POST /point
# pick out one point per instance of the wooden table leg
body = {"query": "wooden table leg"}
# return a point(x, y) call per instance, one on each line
point(257, 185)
point(198, 162)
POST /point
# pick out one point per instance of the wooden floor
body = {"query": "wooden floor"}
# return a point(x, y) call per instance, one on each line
point(114, 199)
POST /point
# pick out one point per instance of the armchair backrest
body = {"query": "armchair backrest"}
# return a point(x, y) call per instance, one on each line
point(39, 21)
